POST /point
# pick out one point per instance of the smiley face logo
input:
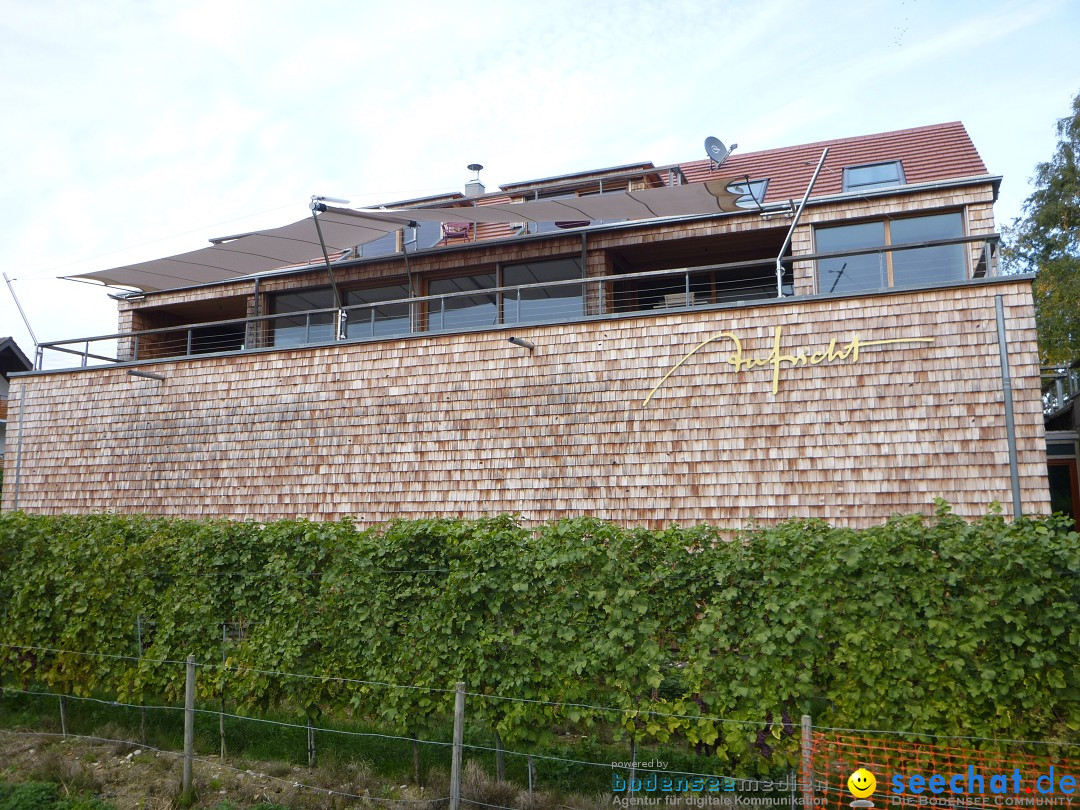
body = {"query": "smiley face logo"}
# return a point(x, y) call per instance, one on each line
point(862, 783)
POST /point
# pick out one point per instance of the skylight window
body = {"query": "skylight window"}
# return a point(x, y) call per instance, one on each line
point(751, 192)
point(873, 175)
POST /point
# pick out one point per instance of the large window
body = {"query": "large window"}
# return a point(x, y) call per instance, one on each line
point(463, 311)
point(368, 316)
point(299, 330)
point(895, 267)
point(452, 303)
point(562, 303)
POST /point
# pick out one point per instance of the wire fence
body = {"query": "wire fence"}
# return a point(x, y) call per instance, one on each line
point(828, 754)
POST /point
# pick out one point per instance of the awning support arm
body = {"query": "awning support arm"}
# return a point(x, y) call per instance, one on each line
point(794, 222)
point(316, 207)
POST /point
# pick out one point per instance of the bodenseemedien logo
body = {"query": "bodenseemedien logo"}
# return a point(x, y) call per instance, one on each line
point(862, 785)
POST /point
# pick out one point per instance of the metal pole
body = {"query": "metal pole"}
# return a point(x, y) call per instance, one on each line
point(310, 742)
point(254, 326)
point(339, 316)
point(807, 761)
point(21, 313)
point(1007, 391)
point(187, 795)
point(326, 257)
point(459, 740)
point(794, 222)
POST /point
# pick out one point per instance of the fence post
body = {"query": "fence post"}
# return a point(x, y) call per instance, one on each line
point(633, 762)
point(142, 709)
point(63, 715)
point(416, 770)
point(807, 761)
point(224, 676)
point(310, 741)
point(459, 740)
point(500, 759)
point(187, 795)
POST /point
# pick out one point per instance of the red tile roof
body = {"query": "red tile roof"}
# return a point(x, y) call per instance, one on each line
point(937, 152)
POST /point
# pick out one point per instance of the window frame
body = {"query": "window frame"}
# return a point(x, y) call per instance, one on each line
point(887, 221)
point(901, 179)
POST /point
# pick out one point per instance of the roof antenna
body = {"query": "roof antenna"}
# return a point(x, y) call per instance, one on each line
point(717, 152)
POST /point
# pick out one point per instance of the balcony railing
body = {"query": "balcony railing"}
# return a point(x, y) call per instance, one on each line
point(1060, 385)
point(560, 301)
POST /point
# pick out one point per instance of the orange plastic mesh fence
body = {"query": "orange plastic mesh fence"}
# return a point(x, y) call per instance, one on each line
point(1010, 777)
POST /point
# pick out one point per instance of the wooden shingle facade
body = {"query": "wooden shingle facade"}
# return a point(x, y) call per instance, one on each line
point(677, 381)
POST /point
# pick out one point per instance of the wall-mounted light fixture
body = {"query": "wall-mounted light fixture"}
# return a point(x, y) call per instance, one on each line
point(146, 375)
point(522, 343)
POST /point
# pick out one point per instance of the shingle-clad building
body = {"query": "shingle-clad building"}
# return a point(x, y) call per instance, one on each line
point(649, 344)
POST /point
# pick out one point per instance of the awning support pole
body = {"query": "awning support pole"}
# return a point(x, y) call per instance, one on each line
point(339, 327)
point(794, 222)
point(33, 337)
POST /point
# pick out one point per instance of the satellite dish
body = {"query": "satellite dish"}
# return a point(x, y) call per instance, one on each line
point(716, 150)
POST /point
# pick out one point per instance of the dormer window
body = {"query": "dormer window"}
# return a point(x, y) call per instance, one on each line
point(873, 176)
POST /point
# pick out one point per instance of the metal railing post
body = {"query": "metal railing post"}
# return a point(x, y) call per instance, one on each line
point(188, 351)
point(86, 353)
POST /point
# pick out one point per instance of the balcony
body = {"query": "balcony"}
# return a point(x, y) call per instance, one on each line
point(1060, 386)
point(473, 303)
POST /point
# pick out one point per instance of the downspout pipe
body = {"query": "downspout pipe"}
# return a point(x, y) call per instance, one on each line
point(794, 222)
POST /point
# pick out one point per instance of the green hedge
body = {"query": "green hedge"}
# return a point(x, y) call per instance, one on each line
point(934, 625)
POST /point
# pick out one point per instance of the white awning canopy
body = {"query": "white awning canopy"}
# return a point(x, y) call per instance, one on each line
point(344, 228)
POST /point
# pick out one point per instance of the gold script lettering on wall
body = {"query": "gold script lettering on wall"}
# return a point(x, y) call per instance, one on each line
point(778, 360)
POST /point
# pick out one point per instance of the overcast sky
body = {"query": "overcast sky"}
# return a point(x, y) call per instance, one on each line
point(134, 130)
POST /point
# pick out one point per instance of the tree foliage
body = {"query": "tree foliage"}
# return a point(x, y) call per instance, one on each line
point(1047, 239)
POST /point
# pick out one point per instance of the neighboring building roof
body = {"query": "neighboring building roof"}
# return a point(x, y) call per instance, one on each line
point(937, 152)
point(12, 358)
